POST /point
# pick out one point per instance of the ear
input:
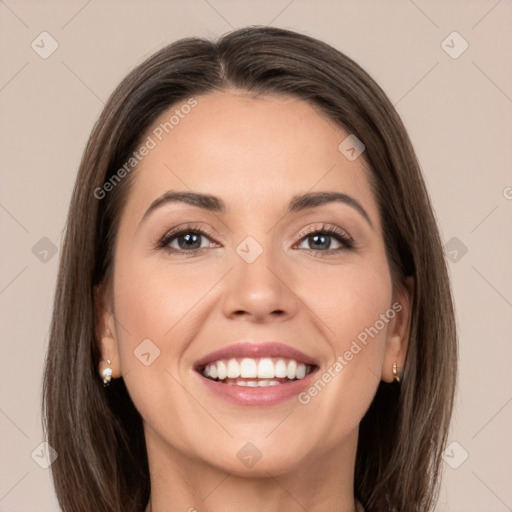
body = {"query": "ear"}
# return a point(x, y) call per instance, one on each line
point(397, 341)
point(105, 330)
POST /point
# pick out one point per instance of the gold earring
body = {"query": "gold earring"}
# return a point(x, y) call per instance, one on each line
point(107, 374)
point(396, 375)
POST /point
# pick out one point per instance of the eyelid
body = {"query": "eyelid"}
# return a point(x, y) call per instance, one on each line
point(200, 229)
point(328, 229)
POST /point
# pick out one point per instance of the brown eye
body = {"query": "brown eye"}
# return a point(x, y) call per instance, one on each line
point(185, 239)
point(320, 240)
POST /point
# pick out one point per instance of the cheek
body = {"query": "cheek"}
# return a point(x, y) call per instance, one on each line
point(159, 309)
point(156, 302)
point(356, 313)
point(352, 301)
point(154, 313)
point(361, 319)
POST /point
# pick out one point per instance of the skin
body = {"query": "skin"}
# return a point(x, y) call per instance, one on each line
point(255, 154)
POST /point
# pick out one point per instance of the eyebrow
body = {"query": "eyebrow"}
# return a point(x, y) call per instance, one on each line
point(298, 203)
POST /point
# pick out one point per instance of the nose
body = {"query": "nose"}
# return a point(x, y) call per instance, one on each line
point(260, 291)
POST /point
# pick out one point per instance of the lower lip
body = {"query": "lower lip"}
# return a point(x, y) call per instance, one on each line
point(258, 396)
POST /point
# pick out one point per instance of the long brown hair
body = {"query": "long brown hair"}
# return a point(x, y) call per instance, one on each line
point(97, 432)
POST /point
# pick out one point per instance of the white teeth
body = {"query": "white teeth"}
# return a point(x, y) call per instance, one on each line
point(221, 370)
point(233, 369)
point(292, 369)
point(280, 369)
point(264, 369)
point(248, 368)
point(255, 383)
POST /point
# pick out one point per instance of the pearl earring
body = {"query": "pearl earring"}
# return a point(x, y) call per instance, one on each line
point(396, 375)
point(107, 374)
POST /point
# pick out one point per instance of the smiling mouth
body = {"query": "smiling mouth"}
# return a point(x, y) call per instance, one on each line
point(256, 372)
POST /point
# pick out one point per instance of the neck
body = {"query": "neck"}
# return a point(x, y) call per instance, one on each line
point(357, 507)
point(181, 482)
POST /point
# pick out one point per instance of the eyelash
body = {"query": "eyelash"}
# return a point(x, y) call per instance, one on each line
point(341, 235)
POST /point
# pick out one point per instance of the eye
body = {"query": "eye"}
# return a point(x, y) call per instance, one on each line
point(188, 239)
point(320, 240)
point(185, 239)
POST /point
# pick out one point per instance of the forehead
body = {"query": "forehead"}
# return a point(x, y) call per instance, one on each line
point(248, 150)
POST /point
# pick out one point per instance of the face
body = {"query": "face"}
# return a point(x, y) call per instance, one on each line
point(251, 316)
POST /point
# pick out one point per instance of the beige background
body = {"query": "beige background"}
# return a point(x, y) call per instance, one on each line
point(457, 111)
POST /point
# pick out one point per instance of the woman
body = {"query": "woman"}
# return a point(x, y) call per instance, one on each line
point(253, 310)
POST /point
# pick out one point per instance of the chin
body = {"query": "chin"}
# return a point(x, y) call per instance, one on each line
point(258, 457)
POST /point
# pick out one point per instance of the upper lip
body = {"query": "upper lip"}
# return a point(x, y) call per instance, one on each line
point(256, 350)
